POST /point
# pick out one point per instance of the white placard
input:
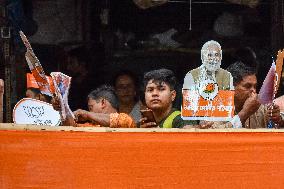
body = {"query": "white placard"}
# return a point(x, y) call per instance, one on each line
point(31, 111)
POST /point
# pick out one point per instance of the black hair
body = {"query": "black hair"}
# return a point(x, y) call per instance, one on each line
point(81, 53)
point(246, 55)
point(37, 92)
point(105, 92)
point(47, 97)
point(160, 76)
point(239, 70)
point(128, 73)
point(34, 90)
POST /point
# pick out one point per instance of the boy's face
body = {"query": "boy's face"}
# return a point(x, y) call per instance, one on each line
point(159, 96)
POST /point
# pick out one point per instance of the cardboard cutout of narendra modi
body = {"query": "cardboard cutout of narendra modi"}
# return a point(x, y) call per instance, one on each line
point(208, 88)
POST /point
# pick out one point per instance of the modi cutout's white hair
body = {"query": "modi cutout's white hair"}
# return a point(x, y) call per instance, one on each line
point(207, 45)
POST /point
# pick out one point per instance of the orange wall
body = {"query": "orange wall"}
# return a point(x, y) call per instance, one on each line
point(30, 159)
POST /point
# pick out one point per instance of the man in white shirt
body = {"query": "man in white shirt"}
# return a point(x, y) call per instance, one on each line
point(249, 112)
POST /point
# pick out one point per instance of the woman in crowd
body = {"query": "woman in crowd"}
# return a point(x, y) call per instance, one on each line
point(127, 89)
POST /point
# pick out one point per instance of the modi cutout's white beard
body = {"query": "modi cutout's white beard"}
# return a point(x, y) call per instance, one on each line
point(212, 66)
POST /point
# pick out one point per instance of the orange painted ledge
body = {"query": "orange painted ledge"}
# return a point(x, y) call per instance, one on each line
point(45, 157)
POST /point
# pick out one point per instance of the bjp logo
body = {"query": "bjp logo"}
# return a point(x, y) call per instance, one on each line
point(209, 88)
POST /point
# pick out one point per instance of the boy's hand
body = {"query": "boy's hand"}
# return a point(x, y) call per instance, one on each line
point(145, 124)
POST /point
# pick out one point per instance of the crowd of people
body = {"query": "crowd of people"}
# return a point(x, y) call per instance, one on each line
point(129, 103)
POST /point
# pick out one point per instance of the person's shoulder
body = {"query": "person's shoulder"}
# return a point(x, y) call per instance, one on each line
point(224, 73)
point(221, 70)
point(177, 120)
point(192, 74)
point(122, 120)
point(194, 70)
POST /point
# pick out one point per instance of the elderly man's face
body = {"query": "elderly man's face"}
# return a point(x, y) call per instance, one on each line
point(212, 58)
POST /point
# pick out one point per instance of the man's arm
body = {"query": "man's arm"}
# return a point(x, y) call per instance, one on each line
point(115, 120)
point(99, 118)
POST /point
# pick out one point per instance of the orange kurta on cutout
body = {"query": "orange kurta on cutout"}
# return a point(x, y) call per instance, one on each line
point(197, 107)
